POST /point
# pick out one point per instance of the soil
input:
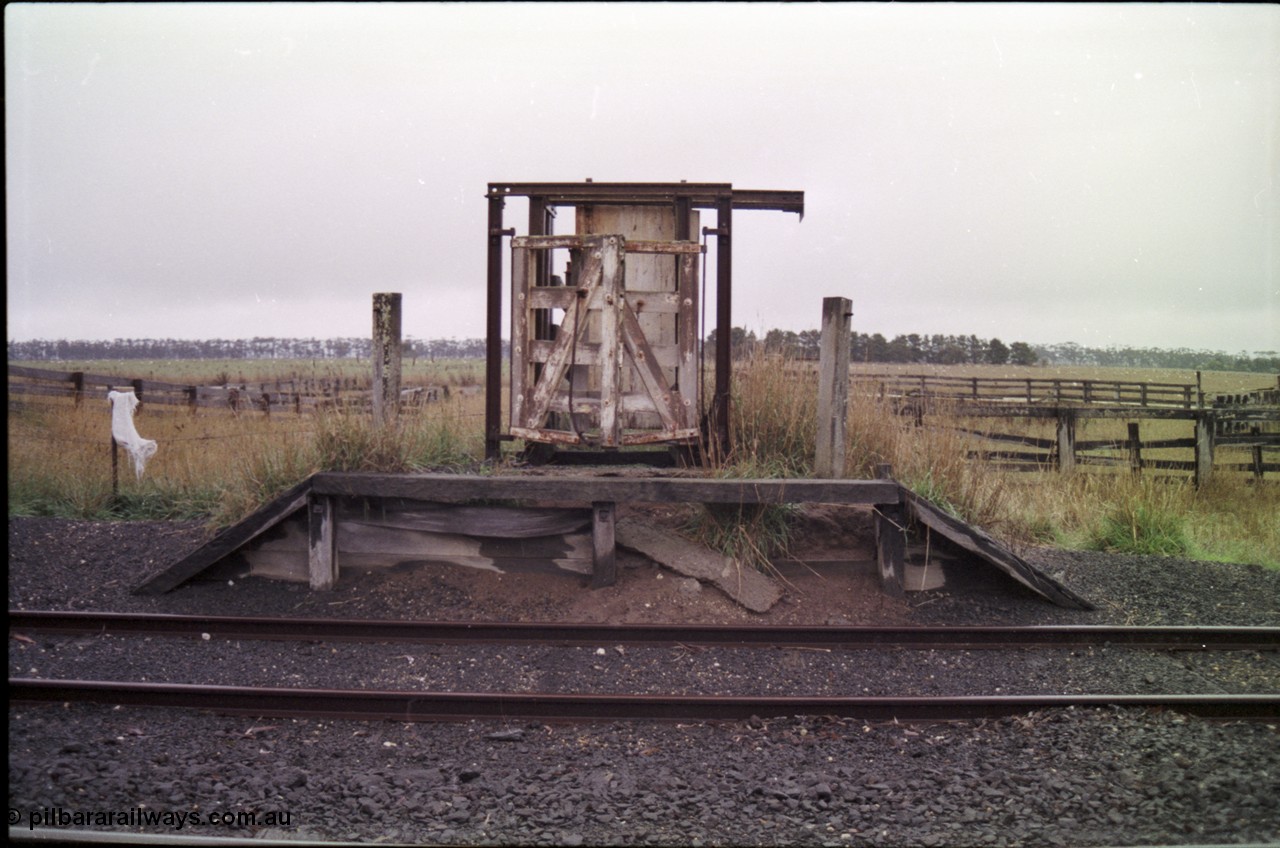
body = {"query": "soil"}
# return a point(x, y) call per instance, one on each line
point(1054, 777)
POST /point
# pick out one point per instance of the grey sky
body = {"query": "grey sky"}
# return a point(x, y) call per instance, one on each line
point(1104, 174)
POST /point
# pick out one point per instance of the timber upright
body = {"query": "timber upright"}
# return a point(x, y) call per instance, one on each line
point(605, 322)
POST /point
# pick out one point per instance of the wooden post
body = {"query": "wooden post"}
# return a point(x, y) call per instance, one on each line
point(833, 387)
point(1066, 441)
point(322, 549)
point(115, 468)
point(1204, 447)
point(1256, 430)
point(77, 386)
point(386, 357)
point(891, 539)
point(1135, 449)
point(1199, 391)
point(604, 570)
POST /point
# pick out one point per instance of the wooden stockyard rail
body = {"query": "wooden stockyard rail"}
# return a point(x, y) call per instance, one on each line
point(1241, 420)
point(297, 396)
point(1000, 392)
point(322, 494)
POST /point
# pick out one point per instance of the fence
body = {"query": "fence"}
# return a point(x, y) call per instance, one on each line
point(1054, 392)
point(295, 396)
point(1244, 421)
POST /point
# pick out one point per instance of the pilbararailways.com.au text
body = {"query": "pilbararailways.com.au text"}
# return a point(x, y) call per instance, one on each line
point(142, 817)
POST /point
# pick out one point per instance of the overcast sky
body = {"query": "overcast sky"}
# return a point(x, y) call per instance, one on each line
point(1104, 174)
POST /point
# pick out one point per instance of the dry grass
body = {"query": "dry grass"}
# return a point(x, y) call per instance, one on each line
point(1230, 519)
point(225, 465)
point(217, 463)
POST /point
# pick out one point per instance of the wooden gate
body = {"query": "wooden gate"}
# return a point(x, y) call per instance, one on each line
point(594, 377)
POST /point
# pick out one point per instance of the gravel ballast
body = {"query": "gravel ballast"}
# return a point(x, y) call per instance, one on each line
point(1054, 777)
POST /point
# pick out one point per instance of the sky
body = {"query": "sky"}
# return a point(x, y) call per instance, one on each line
point(1100, 174)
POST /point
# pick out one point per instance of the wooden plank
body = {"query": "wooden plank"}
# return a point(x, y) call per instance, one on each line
point(665, 399)
point(687, 339)
point(833, 387)
point(667, 356)
point(521, 318)
point(604, 571)
point(435, 487)
point(749, 587)
point(611, 283)
point(1066, 441)
point(1204, 448)
point(40, 374)
point(571, 329)
point(687, 435)
point(322, 548)
point(979, 543)
point(502, 522)
point(1135, 448)
point(681, 248)
point(891, 540)
point(549, 242)
point(228, 541)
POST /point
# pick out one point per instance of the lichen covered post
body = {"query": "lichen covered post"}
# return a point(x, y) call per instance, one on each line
point(833, 387)
point(386, 357)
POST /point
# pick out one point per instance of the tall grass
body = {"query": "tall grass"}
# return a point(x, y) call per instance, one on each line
point(221, 466)
point(217, 465)
point(774, 421)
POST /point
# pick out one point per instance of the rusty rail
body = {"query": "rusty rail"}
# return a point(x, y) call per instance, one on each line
point(951, 638)
point(466, 706)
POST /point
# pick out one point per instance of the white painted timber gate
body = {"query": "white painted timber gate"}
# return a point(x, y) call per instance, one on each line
point(619, 367)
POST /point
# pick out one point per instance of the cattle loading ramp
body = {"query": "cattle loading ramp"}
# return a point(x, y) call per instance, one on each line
point(572, 525)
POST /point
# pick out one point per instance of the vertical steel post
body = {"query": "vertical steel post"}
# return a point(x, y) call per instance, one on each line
point(724, 321)
point(493, 335)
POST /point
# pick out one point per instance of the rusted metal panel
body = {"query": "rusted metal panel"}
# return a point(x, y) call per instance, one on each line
point(698, 195)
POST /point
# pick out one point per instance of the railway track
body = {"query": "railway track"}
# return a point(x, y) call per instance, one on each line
point(330, 630)
point(415, 705)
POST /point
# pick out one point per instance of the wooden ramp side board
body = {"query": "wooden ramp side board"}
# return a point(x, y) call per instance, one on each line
point(228, 541)
point(435, 487)
point(749, 587)
point(977, 542)
point(488, 521)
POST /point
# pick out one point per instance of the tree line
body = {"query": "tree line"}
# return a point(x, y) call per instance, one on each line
point(255, 348)
point(865, 347)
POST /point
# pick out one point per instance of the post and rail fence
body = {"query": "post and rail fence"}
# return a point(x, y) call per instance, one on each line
point(299, 396)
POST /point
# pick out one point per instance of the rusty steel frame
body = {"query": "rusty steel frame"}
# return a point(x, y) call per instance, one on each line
point(545, 196)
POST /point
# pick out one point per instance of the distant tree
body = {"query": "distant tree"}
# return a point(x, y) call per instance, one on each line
point(808, 343)
point(997, 352)
point(1020, 353)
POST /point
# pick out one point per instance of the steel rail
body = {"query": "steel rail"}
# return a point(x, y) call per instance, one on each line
point(462, 706)
point(953, 638)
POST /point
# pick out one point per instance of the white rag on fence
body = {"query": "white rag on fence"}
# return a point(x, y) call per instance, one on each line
point(126, 435)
